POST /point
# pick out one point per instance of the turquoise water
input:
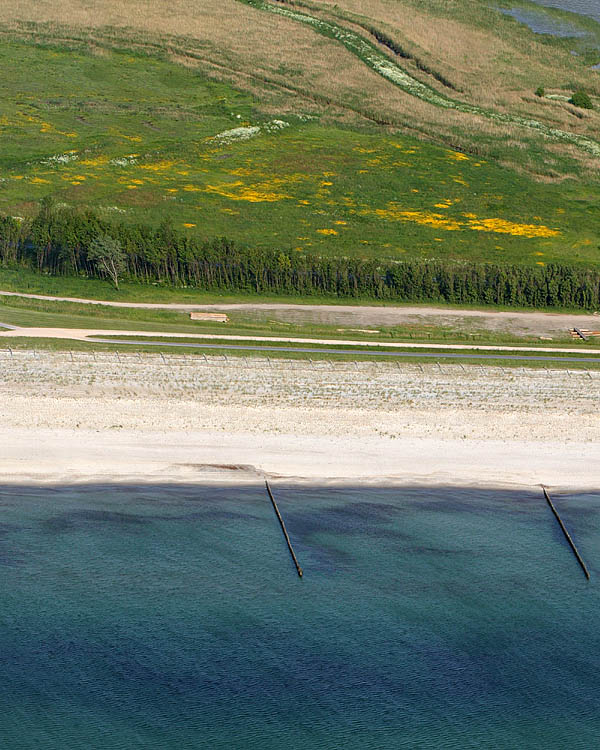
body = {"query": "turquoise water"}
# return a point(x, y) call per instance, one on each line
point(172, 617)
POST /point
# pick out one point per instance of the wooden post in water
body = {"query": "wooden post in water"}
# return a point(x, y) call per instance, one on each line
point(285, 534)
point(566, 533)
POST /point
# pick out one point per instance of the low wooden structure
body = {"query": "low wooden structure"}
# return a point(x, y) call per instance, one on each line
point(210, 316)
point(567, 535)
point(583, 333)
point(285, 534)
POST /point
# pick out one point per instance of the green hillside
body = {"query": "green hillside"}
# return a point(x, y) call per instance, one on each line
point(140, 128)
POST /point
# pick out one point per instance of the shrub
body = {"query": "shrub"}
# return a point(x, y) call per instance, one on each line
point(582, 100)
point(540, 91)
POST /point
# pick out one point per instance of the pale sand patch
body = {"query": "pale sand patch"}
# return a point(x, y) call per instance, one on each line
point(186, 421)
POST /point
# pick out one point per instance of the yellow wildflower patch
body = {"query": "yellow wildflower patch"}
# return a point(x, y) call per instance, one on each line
point(501, 226)
point(393, 213)
point(192, 189)
point(457, 156)
point(326, 231)
point(403, 149)
point(99, 161)
point(343, 223)
point(188, 224)
point(237, 191)
point(39, 181)
point(243, 172)
point(158, 166)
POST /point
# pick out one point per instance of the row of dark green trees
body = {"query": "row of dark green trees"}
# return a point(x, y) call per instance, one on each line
point(58, 241)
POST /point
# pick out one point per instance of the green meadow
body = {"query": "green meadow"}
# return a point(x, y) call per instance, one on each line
point(139, 139)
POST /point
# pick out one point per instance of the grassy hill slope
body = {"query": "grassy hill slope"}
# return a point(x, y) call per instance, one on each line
point(234, 120)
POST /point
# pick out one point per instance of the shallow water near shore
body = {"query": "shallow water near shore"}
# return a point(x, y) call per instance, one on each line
point(172, 617)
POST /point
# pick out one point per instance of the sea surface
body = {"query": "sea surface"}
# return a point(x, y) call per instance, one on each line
point(171, 617)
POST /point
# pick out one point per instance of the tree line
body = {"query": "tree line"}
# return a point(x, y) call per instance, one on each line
point(66, 242)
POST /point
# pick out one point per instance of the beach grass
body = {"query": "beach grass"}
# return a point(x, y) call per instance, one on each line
point(436, 357)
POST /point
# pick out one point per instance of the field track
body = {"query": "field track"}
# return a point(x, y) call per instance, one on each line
point(538, 323)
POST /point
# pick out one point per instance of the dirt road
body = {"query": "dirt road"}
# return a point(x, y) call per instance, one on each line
point(518, 323)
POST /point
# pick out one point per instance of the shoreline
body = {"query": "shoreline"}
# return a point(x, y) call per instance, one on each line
point(80, 456)
point(196, 421)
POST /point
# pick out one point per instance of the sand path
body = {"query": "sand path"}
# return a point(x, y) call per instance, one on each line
point(90, 334)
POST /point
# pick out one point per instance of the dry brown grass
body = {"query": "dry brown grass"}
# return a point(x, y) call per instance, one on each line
point(496, 68)
point(243, 43)
point(465, 49)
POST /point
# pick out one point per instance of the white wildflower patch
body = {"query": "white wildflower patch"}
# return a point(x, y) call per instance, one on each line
point(114, 209)
point(57, 159)
point(124, 161)
point(17, 218)
point(276, 125)
point(247, 132)
point(236, 134)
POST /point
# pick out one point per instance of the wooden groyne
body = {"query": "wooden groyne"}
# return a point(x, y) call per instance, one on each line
point(285, 534)
point(566, 533)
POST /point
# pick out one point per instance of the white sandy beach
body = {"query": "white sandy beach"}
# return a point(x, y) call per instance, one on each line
point(188, 420)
